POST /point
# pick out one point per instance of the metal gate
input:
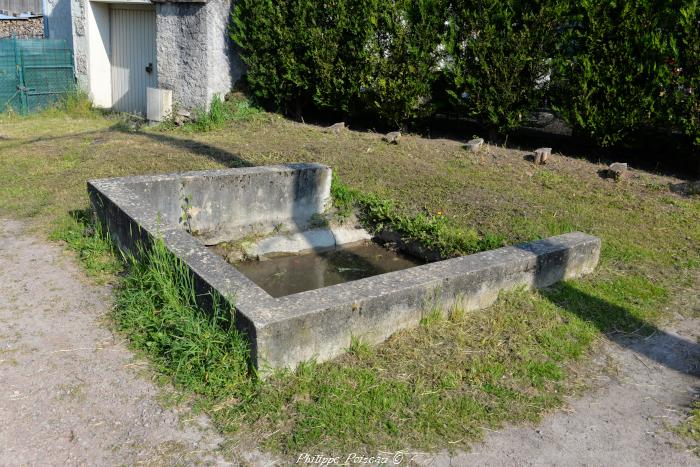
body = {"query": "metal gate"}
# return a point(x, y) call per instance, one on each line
point(34, 73)
point(133, 38)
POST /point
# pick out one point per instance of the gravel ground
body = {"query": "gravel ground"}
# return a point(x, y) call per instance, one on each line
point(71, 391)
point(73, 394)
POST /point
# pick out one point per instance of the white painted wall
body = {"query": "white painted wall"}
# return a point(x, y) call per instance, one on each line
point(100, 69)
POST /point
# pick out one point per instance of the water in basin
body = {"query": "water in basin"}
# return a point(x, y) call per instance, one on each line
point(285, 275)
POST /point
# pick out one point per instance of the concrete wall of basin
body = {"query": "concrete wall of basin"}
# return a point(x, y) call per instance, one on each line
point(316, 324)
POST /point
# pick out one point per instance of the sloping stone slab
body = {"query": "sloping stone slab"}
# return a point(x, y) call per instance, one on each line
point(300, 242)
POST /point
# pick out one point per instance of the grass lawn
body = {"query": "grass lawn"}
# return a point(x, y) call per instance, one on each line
point(435, 387)
point(690, 428)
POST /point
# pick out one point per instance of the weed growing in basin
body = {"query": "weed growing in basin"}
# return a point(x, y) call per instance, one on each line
point(435, 232)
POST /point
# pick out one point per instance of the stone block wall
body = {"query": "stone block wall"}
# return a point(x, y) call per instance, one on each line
point(80, 41)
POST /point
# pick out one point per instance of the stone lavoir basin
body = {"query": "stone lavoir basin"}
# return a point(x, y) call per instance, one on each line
point(307, 291)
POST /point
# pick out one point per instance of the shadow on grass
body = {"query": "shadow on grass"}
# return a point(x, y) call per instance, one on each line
point(617, 322)
point(85, 216)
point(16, 142)
point(620, 326)
point(222, 156)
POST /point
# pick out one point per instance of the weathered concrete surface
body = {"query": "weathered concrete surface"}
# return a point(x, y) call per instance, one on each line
point(224, 205)
point(320, 323)
point(195, 55)
point(317, 323)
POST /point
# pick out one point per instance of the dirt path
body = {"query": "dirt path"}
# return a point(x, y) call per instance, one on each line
point(72, 393)
point(70, 390)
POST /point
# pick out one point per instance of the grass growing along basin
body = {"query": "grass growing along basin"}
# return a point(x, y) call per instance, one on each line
point(439, 386)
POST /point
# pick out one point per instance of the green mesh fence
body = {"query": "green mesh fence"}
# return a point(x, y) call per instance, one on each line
point(34, 73)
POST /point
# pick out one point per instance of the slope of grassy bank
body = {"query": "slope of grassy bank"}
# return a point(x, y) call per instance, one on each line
point(436, 387)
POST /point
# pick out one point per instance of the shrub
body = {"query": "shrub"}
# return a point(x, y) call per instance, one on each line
point(357, 57)
point(685, 104)
point(613, 70)
point(499, 57)
point(299, 55)
point(403, 56)
point(616, 68)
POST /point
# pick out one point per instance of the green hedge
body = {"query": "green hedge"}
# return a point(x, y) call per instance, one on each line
point(628, 67)
point(613, 70)
point(501, 52)
point(358, 57)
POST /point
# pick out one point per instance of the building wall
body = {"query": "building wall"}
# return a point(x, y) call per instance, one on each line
point(225, 66)
point(98, 35)
point(181, 51)
point(15, 7)
point(79, 10)
point(195, 56)
point(57, 20)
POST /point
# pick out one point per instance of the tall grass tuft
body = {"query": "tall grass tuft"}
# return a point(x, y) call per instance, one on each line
point(92, 244)
point(156, 306)
point(436, 232)
point(234, 109)
point(75, 104)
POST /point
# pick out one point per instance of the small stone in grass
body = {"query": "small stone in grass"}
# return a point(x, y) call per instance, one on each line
point(336, 127)
point(474, 144)
point(541, 155)
point(617, 170)
point(181, 117)
point(392, 137)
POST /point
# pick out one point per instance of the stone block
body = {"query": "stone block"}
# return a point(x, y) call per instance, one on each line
point(474, 144)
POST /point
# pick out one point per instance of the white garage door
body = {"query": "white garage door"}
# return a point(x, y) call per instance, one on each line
point(133, 37)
